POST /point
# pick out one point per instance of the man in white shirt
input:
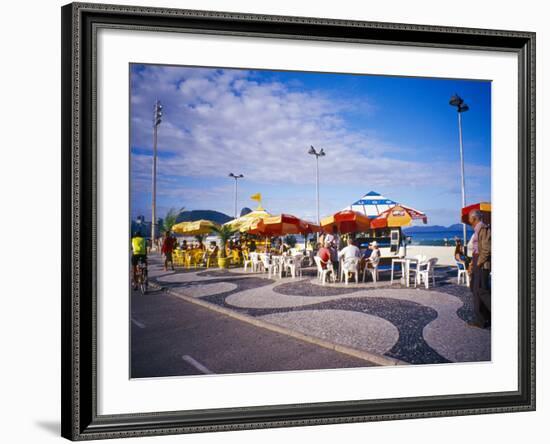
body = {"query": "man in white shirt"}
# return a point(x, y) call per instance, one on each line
point(350, 251)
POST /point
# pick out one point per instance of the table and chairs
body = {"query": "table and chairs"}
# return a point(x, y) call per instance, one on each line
point(279, 265)
point(418, 267)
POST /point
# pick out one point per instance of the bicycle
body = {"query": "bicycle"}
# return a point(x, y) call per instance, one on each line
point(142, 279)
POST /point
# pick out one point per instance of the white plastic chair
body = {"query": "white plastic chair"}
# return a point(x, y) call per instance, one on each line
point(294, 265)
point(247, 261)
point(322, 273)
point(372, 270)
point(269, 265)
point(424, 271)
point(307, 259)
point(256, 263)
point(350, 265)
point(463, 274)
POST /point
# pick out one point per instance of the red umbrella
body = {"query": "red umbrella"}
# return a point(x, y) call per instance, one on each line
point(484, 207)
point(281, 225)
point(347, 221)
point(312, 228)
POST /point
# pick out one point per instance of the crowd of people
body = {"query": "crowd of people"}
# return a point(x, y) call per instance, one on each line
point(334, 250)
point(169, 244)
point(332, 254)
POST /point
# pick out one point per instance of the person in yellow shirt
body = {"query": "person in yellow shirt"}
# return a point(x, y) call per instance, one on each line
point(139, 254)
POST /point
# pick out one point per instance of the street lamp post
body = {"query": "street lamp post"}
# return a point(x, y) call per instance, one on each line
point(236, 177)
point(317, 154)
point(461, 107)
point(157, 118)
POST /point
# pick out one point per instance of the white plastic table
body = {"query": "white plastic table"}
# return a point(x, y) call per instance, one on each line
point(405, 268)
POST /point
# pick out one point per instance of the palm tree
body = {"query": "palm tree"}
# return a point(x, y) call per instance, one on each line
point(170, 219)
point(224, 232)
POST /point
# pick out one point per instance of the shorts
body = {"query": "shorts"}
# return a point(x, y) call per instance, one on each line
point(137, 258)
point(168, 256)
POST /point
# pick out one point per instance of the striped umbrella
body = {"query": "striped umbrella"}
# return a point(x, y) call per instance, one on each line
point(398, 216)
point(484, 207)
point(347, 221)
point(372, 204)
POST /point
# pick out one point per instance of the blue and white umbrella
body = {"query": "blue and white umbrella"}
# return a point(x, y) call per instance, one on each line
point(372, 204)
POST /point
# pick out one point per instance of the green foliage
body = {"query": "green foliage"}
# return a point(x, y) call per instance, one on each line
point(170, 219)
point(224, 232)
point(290, 240)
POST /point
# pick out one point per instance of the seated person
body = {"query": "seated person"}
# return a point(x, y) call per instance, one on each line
point(325, 254)
point(212, 249)
point(350, 251)
point(459, 251)
point(283, 249)
point(373, 258)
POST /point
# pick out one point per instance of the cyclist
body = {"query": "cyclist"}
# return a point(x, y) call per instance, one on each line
point(139, 254)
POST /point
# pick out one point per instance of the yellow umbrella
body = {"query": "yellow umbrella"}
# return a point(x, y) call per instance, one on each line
point(244, 223)
point(194, 228)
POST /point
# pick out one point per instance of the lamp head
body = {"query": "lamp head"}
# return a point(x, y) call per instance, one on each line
point(312, 150)
point(463, 108)
point(456, 100)
point(322, 152)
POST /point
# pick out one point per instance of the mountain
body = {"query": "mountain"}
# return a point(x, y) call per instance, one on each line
point(214, 216)
point(435, 228)
point(245, 211)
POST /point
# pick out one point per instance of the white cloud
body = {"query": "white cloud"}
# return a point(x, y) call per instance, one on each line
point(216, 121)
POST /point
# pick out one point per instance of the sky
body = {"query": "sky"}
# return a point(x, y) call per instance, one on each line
point(394, 135)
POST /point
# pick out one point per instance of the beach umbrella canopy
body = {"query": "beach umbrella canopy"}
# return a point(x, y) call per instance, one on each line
point(398, 216)
point(371, 204)
point(280, 225)
point(312, 228)
point(194, 228)
point(244, 223)
point(484, 207)
point(347, 221)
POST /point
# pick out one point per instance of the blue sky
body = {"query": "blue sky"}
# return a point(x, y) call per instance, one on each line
point(394, 135)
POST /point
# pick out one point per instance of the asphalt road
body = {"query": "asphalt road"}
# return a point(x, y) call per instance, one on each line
point(172, 337)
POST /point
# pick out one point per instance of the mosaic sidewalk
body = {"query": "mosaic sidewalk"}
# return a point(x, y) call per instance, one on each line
point(412, 325)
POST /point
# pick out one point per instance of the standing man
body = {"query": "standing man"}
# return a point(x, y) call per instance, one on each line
point(480, 269)
point(333, 238)
point(167, 249)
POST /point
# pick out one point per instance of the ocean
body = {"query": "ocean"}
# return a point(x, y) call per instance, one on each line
point(436, 238)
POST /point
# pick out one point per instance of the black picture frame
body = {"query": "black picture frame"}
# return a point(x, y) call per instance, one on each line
point(80, 22)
